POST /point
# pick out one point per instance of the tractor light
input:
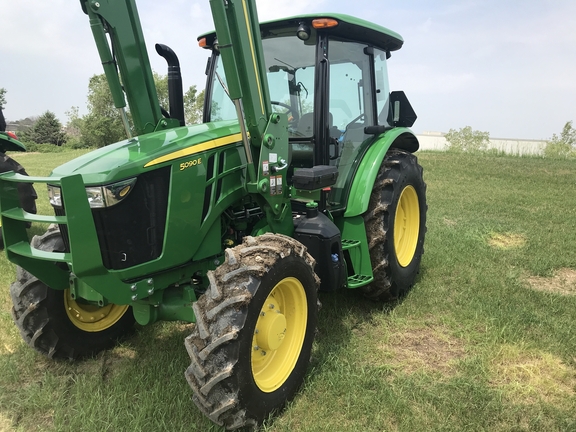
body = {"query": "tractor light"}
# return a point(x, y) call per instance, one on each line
point(323, 23)
point(303, 32)
point(109, 195)
point(98, 196)
point(55, 196)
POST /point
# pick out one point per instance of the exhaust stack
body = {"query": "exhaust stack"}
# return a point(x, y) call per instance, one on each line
point(175, 92)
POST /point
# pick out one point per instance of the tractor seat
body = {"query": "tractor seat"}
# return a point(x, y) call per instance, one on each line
point(306, 125)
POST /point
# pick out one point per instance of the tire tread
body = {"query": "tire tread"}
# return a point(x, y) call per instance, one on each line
point(384, 287)
point(221, 315)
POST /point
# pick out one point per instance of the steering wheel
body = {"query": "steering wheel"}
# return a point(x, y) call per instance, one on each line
point(351, 124)
point(289, 110)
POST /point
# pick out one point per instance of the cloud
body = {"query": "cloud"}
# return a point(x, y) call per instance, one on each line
point(197, 11)
point(425, 27)
point(35, 28)
point(490, 64)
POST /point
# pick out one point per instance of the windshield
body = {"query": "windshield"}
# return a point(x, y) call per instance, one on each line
point(290, 71)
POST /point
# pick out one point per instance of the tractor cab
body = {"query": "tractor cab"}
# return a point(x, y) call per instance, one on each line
point(328, 75)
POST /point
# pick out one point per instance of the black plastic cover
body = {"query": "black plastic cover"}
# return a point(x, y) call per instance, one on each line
point(317, 177)
point(322, 239)
point(401, 112)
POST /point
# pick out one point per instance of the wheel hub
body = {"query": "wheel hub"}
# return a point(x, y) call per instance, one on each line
point(92, 318)
point(271, 329)
point(406, 226)
point(279, 334)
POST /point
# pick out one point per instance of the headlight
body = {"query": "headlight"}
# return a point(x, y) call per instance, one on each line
point(55, 196)
point(98, 196)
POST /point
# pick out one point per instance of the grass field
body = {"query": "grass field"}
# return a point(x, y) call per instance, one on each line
point(485, 341)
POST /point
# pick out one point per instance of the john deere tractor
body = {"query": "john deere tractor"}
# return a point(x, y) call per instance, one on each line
point(302, 177)
point(26, 193)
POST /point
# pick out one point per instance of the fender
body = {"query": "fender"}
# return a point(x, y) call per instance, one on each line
point(365, 177)
point(9, 143)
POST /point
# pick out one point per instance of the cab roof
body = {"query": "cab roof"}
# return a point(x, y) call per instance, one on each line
point(348, 27)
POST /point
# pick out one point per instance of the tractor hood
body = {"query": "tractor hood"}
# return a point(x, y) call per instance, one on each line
point(132, 157)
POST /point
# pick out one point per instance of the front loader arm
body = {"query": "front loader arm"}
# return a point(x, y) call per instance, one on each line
point(240, 44)
point(265, 134)
point(126, 63)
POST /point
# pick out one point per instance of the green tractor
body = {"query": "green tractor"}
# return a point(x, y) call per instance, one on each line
point(302, 177)
point(26, 193)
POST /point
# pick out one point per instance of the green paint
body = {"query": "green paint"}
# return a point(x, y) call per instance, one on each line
point(354, 243)
point(173, 304)
point(126, 65)
point(367, 170)
point(7, 143)
point(78, 289)
point(211, 181)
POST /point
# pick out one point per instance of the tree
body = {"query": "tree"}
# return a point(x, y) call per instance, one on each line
point(46, 130)
point(103, 124)
point(193, 105)
point(161, 82)
point(2, 97)
point(73, 129)
point(467, 140)
point(193, 101)
point(563, 146)
point(74, 122)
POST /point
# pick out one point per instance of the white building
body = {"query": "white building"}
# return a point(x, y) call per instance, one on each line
point(437, 141)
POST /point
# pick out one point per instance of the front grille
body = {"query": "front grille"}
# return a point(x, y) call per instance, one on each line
point(132, 231)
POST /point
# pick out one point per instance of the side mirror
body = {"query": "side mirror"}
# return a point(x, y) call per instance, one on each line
point(401, 112)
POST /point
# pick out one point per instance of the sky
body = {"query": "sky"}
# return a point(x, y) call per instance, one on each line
point(507, 67)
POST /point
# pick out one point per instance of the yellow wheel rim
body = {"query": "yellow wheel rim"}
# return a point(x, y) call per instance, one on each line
point(279, 334)
point(92, 318)
point(406, 226)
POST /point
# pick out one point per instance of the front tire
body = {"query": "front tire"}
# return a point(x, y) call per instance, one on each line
point(54, 324)
point(395, 226)
point(254, 331)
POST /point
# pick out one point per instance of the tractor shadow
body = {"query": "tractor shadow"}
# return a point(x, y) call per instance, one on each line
point(343, 315)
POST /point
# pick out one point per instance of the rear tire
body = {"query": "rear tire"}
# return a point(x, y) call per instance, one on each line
point(26, 191)
point(254, 331)
point(395, 226)
point(52, 323)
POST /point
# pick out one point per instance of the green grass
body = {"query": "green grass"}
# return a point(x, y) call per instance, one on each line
point(473, 346)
